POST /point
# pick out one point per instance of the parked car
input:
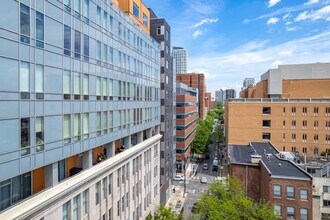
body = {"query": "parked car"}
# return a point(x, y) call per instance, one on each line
point(205, 166)
point(203, 179)
point(178, 177)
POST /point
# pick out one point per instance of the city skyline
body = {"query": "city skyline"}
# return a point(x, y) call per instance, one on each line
point(227, 43)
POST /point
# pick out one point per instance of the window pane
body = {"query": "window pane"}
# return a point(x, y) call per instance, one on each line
point(65, 215)
point(39, 130)
point(86, 46)
point(66, 82)
point(105, 120)
point(75, 208)
point(77, 44)
point(67, 40)
point(25, 77)
point(110, 87)
point(86, 85)
point(105, 87)
point(86, 123)
point(98, 121)
point(25, 20)
point(135, 10)
point(97, 193)
point(39, 26)
point(98, 50)
point(16, 193)
point(77, 6)
point(98, 16)
point(39, 77)
point(66, 129)
point(5, 192)
point(76, 125)
point(86, 8)
point(76, 83)
point(84, 202)
point(98, 86)
point(25, 132)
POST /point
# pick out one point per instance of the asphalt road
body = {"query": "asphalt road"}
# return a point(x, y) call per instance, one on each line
point(194, 187)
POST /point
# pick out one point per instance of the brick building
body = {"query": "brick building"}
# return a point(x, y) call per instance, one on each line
point(208, 101)
point(267, 176)
point(290, 107)
point(186, 123)
point(196, 80)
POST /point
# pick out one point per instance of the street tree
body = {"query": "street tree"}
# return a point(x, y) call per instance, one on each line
point(227, 200)
point(163, 213)
point(218, 134)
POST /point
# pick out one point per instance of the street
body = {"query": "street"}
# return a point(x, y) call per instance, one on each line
point(194, 187)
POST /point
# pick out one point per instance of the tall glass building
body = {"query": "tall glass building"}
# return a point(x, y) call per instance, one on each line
point(80, 111)
point(180, 55)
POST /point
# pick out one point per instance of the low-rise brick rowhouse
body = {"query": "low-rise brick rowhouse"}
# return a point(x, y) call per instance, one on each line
point(267, 176)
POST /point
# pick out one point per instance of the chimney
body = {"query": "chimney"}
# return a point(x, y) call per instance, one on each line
point(255, 159)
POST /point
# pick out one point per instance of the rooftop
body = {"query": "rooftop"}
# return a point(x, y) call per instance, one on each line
point(279, 100)
point(270, 156)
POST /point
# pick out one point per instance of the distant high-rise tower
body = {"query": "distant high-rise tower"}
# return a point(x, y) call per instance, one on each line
point(230, 93)
point(180, 56)
point(220, 95)
point(248, 82)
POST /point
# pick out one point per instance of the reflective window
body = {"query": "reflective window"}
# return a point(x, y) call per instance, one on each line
point(76, 86)
point(61, 170)
point(98, 50)
point(136, 10)
point(86, 85)
point(86, 125)
point(84, 202)
point(67, 40)
point(66, 82)
point(145, 20)
point(97, 193)
point(98, 123)
point(98, 16)
point(75, 208)
point(86, 8)
point(25, 77)
point(65, 211)
point(303, 214)
point(77, 6)
point(67, 129)
point(86, 47)
point(105, 20)
point(5, 194)
point(76, 128)
point(25, 136)
point(77, 44)
point(25, 23)
point(98, 86)
point(39, 29)
point(111, 55)
point(290, 192)
point(39, 134)
point(105, 87)
point(39, 78)
point(105, 53)
point(111, 23)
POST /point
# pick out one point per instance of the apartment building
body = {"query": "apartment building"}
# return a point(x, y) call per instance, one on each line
point(230, 93)
point(160, 30)
point(180, 56)
point(208, 101)
point(186, 124)
point(220, 95)
point(267, 176)
point(284, 109)
point(80, 110)
point(248, 82)
point(197, 81)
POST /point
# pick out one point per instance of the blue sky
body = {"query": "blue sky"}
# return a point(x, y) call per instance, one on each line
point(229, 40)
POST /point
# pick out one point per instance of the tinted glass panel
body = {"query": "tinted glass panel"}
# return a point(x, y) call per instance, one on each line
point(67, 40)
point(25, 23)
point(77, 45)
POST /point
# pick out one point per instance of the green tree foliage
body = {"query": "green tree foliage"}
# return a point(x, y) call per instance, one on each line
point(219, 105)
point(218, 134)
point(226, 200)
point(163, 213)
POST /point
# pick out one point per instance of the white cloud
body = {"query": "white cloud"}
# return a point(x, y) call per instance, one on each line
point(272, 3)
point(197, 33)
point(288, 22)
point(290, 29)
point(323, 14)
point(311, 2)
point(226, 70)
point(206, 21)
point(286, 16)
point(204, 7)
point(273, 20)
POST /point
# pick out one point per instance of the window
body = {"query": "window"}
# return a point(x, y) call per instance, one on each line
point(65, 211)
point(98, 16)
point(304, 149)
point(283, 123)
point(290, 192)
point(86, 86)
point(86, 47)
point(266, 110)
point(303, 194)
point(316, 138)
point(86, 125)
point(326, 203)
point(327, 111)
point(76, 127)
point(278, 210)
point(61, 170)
point(145, 20)
point(110, 184)
point(167, 35)
point(76, 86)
point(105, 87)
point(304, 124)
point(84, 202)
point(25, 77)
point(5, 192)
point(25, 136)
point(75, 208)
point(25, 23)
point(304, 137)
point(118, 178)
point(66, 84)
point(316, 124)
point(293, 123)
point(39, 134)
point(77, 44)
point(105, 122)
point(136, 10)
point(111, 23)
point(98, 51)
point(86, 8)
point(77, 6)
point(327, 125)
point(110, 213)
point(97, 193)
point(118, 208)
point(293, 137)
point(67, 129)
point(104, 192)
point(304, 110)
point(98, 87)
point(293, 110)
point(316, 110)
point(266, 136)
point(327, 139)
point(39, 79)
point(98, 123)
point(326, 189)
point(105, 20)
point(266, 123)
point(67, 40)
point(39, 29)
point(303, 214)
point(277, 191)
point(290, 212)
